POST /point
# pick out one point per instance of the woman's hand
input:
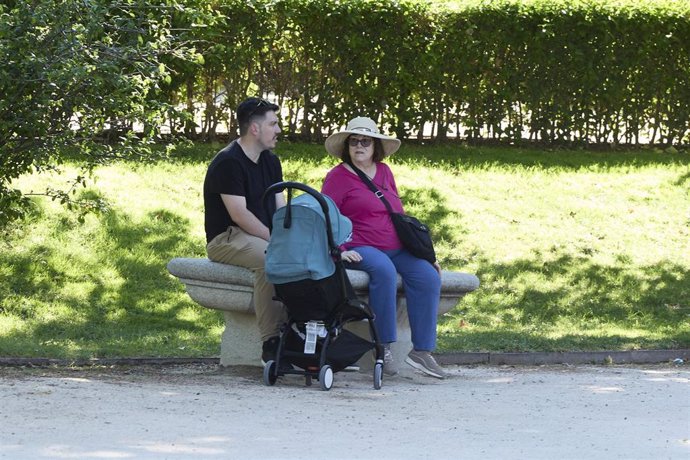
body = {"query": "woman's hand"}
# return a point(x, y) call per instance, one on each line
point(437, 267)
point(351, 256)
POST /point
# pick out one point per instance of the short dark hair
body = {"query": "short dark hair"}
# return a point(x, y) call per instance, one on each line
point(379, 153)
point(252, 108)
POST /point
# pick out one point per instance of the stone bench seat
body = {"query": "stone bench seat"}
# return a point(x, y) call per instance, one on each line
point(229, 288)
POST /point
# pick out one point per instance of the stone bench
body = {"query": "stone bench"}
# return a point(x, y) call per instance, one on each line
point(229, 288)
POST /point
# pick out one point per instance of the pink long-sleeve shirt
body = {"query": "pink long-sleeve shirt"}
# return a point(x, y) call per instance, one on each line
point(371, 224)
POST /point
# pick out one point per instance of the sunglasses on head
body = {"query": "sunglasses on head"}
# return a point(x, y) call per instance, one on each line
point(364, 142)
point(259, 104)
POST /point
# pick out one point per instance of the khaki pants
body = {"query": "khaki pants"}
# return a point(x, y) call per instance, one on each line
point(235, 247)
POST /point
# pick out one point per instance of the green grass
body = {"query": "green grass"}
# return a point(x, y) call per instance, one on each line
point(575, 250)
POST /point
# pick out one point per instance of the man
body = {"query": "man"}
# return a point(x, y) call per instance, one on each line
point(236, 219)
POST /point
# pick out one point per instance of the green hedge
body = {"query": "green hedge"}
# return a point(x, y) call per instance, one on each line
point(550, 70)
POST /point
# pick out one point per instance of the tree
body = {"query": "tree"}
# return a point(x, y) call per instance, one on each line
point(77, 75)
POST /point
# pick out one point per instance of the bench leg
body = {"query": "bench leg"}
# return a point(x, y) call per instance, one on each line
point(240, 343)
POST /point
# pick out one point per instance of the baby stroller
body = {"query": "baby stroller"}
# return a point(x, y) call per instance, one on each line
point(303, 263)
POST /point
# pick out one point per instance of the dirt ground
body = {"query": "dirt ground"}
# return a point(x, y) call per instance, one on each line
point(206, 412)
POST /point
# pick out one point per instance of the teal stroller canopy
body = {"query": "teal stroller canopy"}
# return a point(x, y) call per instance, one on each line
point(299, 248)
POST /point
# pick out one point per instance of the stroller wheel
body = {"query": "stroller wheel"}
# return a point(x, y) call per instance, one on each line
point(270, 375)
point(378, 376)
point(307, 380)
point(326, 377)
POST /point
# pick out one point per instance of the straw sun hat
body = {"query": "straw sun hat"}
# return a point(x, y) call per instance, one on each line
point(364, 127)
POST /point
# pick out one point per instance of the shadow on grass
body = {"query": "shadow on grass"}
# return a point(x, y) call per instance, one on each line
point(487, 157)
point(520, 304)
point(26, 276)
point(464, 157)
point(124, 303)
point(459, 156)
point(431, 207)
point(523, 341)
point(684, 179)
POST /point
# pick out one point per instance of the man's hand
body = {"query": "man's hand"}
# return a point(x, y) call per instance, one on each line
point(237, 208)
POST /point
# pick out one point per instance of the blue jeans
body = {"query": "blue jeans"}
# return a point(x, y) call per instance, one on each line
point(422, 285)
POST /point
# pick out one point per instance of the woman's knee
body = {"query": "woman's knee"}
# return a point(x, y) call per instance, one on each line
point(434, 279)
point(379, 267)
point(423, 277)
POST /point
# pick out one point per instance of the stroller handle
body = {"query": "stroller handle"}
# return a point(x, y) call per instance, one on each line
point(280, 186)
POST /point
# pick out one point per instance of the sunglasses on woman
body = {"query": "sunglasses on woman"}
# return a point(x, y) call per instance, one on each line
point(364, 142)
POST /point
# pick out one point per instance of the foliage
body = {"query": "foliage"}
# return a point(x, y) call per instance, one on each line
point(80, 75)
point(557, 71)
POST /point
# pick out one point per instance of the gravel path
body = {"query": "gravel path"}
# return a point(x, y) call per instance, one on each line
point(487, 412)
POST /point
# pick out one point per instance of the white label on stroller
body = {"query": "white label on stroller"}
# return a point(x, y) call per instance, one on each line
point(314, 329)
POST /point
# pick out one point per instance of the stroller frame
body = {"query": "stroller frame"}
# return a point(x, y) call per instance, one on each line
point(349, 309)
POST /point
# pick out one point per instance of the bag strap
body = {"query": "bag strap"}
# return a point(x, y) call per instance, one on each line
point(372, 187)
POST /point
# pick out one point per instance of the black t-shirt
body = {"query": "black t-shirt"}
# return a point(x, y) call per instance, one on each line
point(231, 172)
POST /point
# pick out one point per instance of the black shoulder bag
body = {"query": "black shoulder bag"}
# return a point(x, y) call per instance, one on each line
point(413, 234)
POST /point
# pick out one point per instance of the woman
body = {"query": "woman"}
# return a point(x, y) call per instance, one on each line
point(375, 247)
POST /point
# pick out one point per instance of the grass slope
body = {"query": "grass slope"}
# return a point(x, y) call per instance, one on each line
point(575, 250)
